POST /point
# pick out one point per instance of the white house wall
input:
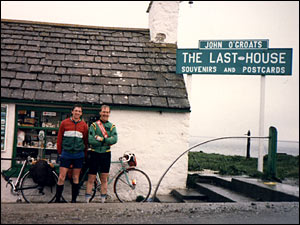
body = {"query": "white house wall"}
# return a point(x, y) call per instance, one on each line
point(6, 196)
point(9, 135)
point(157, 139)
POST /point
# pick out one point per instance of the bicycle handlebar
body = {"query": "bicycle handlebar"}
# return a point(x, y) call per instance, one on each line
point(123, 159)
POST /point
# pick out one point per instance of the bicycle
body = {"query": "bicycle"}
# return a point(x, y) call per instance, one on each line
point(130, 184)
point(31, 191)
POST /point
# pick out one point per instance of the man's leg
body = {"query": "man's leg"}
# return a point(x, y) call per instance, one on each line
point(75, 184)
point(89, 187)
point(103, 178)
point(60, 183)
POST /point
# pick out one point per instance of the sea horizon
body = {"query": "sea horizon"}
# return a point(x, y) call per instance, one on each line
point(238, 146)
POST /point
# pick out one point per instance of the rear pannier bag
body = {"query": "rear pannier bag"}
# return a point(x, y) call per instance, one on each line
point(41, 173)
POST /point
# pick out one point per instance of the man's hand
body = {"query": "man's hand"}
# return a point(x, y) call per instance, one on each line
point(98, 138)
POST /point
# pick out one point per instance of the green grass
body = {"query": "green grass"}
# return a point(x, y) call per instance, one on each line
point(287, 165)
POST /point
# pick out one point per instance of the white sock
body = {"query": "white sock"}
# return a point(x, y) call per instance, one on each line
point(87, 198)
point(103, 197)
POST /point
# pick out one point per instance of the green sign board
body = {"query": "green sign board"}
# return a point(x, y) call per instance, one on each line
point(242, 61)
point(243, 57)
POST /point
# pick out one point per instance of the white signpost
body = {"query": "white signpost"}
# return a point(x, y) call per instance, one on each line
point(260, 161)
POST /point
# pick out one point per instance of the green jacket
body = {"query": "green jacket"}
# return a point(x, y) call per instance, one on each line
point(102, 146)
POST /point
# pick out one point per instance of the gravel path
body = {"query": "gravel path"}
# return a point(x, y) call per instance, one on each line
point(151, 213)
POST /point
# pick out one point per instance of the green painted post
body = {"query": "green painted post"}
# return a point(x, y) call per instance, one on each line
point(248, 145)
point(272, 153)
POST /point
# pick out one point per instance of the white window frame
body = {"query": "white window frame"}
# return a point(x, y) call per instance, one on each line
point(5, 133)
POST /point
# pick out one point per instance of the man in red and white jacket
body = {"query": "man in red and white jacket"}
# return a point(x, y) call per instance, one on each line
point(72, 144)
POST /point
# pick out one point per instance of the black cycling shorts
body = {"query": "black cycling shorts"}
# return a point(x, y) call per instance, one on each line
point(98, 162)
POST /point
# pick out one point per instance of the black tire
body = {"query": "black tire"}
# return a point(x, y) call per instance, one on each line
point(33, 193)
point(137, 188)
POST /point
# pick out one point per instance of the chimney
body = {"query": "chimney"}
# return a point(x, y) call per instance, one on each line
point(163, 21)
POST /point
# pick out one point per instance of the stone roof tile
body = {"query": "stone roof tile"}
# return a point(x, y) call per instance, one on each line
point(88, 64)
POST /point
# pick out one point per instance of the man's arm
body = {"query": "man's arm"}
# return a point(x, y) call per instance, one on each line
point(113, 138)
point(91, 137)
point(86, 139)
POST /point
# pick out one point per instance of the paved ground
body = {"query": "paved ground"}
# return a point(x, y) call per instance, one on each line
point(152, 213)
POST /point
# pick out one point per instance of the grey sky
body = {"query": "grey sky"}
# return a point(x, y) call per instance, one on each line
point(222, 105)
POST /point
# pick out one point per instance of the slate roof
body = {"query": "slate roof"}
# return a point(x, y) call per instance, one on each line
point(50, 62)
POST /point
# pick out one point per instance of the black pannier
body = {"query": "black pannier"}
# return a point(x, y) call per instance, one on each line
point(41, 173)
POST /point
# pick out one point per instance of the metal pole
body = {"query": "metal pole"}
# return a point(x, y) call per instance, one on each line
point(261, 124)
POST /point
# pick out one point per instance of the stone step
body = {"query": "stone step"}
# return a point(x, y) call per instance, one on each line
point(220, 194)
point(166, 199)
point(215, 188)
point(254, 188)
point(188, 195)
point(215, 179)
point(265, 191)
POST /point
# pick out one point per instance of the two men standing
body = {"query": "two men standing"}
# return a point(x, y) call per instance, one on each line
point(72, 143)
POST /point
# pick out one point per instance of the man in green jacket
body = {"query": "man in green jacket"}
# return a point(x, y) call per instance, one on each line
point(102, 134)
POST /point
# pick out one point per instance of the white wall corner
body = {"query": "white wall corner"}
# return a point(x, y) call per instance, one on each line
point(163, 21)
point(9, 136)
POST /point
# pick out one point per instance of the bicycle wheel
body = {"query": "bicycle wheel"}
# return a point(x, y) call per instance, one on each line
point(132, 185)
point(33, 193)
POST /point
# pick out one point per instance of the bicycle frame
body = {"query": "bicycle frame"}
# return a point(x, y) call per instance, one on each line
point(123, 168)
point(110, 179)
point(15, 186)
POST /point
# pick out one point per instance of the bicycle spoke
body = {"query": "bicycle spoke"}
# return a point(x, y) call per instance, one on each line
point(132, 185)
point(123, 179)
